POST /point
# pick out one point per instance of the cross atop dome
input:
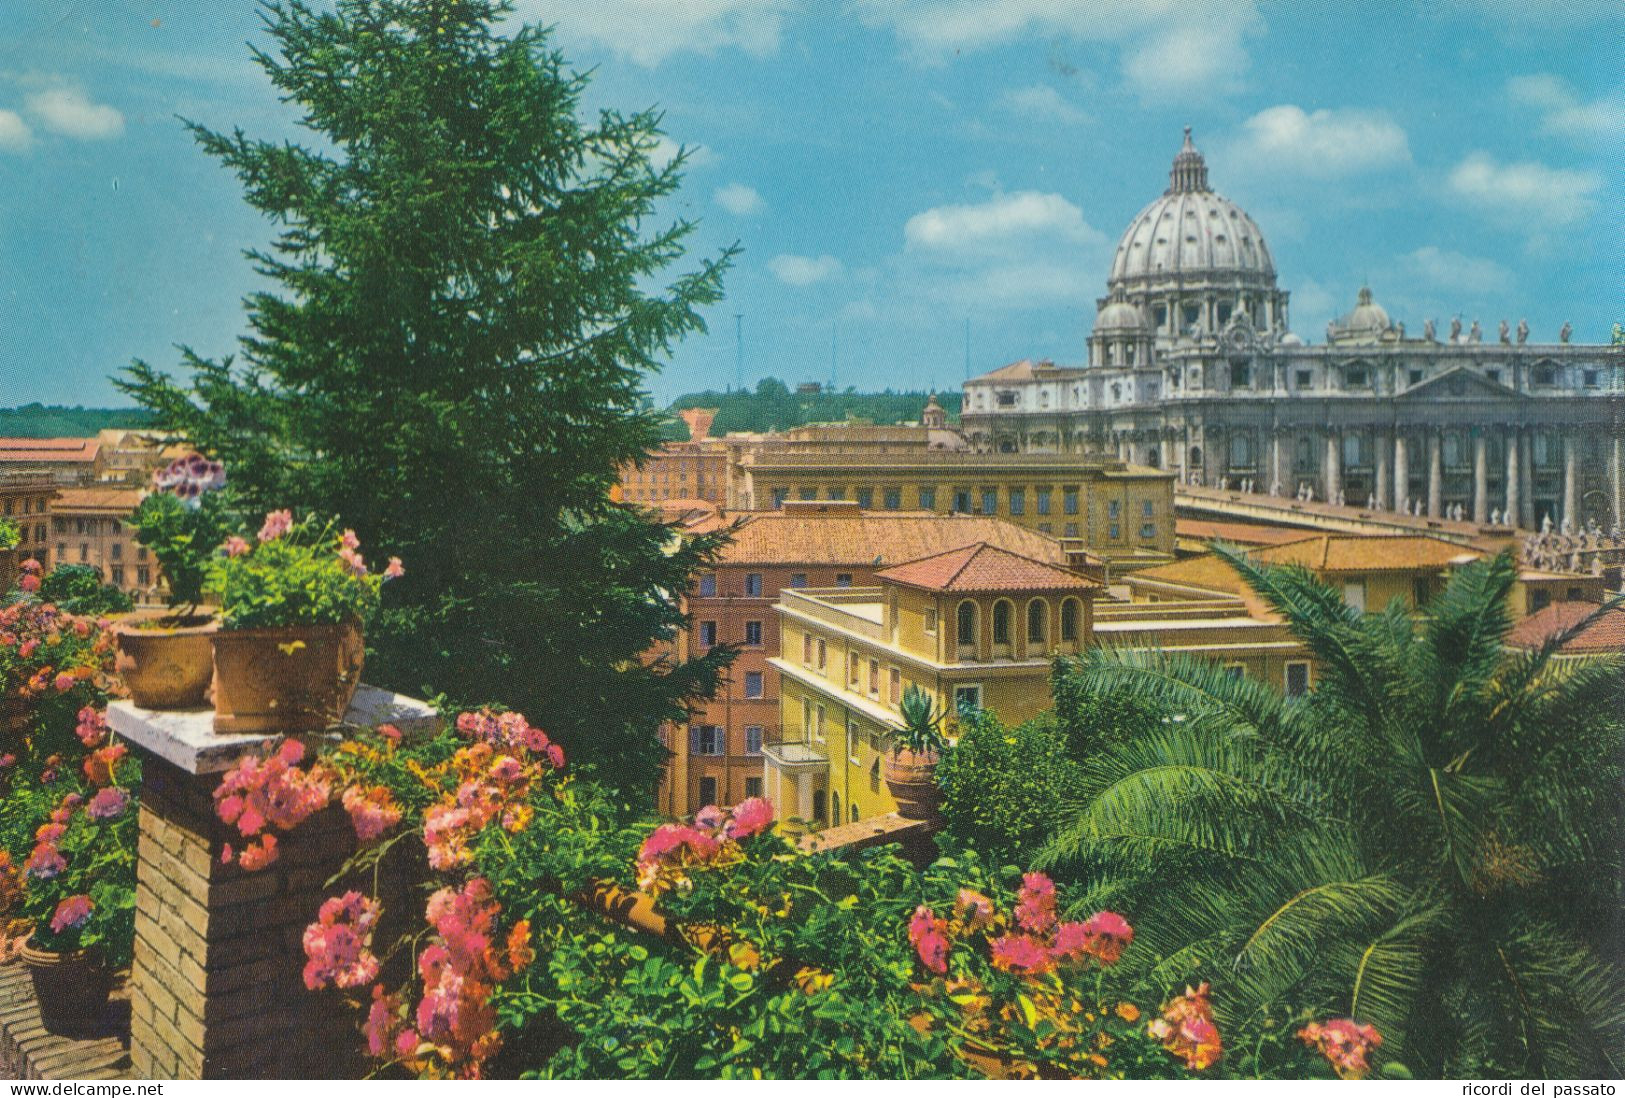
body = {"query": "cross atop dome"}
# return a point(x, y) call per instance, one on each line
point(1189, 172)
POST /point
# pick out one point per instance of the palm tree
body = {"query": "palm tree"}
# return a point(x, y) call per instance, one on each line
point(1428, 841)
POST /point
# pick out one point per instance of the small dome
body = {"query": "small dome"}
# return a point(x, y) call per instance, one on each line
point(1118, 315)
point(1291, 339)
point(1367, 316)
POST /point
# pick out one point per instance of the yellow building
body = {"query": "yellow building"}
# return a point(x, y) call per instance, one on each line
point(975, 626)
point(1124, 513)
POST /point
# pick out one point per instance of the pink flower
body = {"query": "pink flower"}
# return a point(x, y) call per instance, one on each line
point(372, 811)
point(406, 1043)
point(259, 854)
point(235, 546)
point(277, 523)
point(227, 854)
point(7, 761)
point(353, 562)
point(974, 908)
point(390, 733)
point(336, 944)
point(1035, 904)
point(709, 817)
point(383, 1022)
point(555, 756)
point(1346, 1045)
point(1018, 953)
point(394, 571)
point(349, 540)
point(64, 682)
point(925, 934)
point(1186, 1029)
point(28, 647)
point(50, 834)
point(1109, 934)
point(44, 862)
point(107, 803)
point(92, 727)
point(72, 911)
point(751, 816)
point(28, 583)
point(64, 810)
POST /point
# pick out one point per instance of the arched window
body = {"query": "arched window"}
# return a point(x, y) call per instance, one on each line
point(1037, 621)
point(835, 808)
point(1069, 619)
point(967, 624)
point(854, 810)
point(1001, 621)
point(1241, 449)
point(1196, 457)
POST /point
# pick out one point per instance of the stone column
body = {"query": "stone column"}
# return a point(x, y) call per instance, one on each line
point(1278, 470)
point(215, 986)
point(1435, 474)
point(1526, 478)
point(1481, 477)
point(1384, 453)
point(1184, 454)
point(1514, 481)
point(1333, 473)
point(1571, 481)
point(1617, 480)
point(1402, 473)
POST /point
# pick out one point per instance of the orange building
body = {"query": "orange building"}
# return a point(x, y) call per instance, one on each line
point(89, 526)
point(25, 500)
point(717, 757)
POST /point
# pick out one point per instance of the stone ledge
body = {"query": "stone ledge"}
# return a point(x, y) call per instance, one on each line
point(29, 1051)
point(187, 739)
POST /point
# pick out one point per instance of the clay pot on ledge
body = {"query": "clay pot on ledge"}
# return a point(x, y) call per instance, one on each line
point(71, 988)
point(297, 678)
point(912, 779)
point(165, 659)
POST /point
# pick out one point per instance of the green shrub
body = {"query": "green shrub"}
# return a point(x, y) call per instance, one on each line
point(1003, 788)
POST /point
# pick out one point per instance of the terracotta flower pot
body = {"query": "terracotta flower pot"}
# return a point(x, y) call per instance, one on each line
point(165, 660)
point(912, 780)
point(71, 988)
point(297, 678)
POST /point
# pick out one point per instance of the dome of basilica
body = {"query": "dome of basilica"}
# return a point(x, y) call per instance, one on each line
point(1191, 229)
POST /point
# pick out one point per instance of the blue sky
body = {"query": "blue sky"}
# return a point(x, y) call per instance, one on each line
point(892, 169)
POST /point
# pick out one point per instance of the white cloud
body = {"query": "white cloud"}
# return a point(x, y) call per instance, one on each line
point(1172, 46)
point(1042, 101)
point(1322, 144)
point(1527, 191)
point(802, 270)
point(665, 151)
point(649, 31)
point(1001, 223)
point(739, 199)
point(70, 112)
point(1184, 60)
point(1564, 114)
point(1464, 274)
point(15, 136)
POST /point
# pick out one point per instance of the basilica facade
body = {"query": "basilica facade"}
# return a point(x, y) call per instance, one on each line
point(1193, 367)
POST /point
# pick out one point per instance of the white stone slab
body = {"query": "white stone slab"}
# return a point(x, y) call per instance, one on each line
point(186, 737)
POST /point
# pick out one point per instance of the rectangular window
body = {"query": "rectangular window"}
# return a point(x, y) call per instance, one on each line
point(1297, 680)
point(895, 686)
point(118, 547)
point(141, 553)
point(708, 791)
point(1018, 501)
point(1114, 508)
point(928, 498)
point(866, 499)
point(1114, 531)
point(708, 586)
point(1415, 377)
point(1046, 528)
point(1589, 378)
point(753, 684)
point(854, 670)
point(1148, 509)
point(753, 634)
point(798, 579)
point(836, 493)
point(1241, 375)
point(823, 654)
point(807, 493)
point(1071, 530)
point(118, 575)
point(753, 787)
point(753, 585)
point(143, 576)
point(1041, 501)
point(931, 620)
point(843, 579)
point(779, 496)
point(967, 697)
point(1069, 501)
point(962, 501)
point(874, 678)
point(84, 552)
point(854, 736)
point(806, 649)
point(1420, 592)
point(1354, 594)
point(1148, 530)
point(705, 739)
point(818, 724)
point(753, 740)
point(1305, 377)
point(894, 499)
point(708, 634)
point(990, 501)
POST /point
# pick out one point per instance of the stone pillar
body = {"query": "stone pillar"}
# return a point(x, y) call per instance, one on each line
point(1514, 516)
point(1184, 443)
point(1571, 481)
point(1333, 473)
point(215, 986)
point(1435, 474)
point(1481, 477)
point(1384, 453)
point(1526, 478)
point(1402, 474)
point(1616, 476)
point(1278, 469)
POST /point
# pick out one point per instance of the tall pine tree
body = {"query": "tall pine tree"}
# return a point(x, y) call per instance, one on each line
point(451, 359)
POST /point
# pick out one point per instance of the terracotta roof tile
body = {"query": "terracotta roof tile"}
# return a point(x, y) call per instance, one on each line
point(37, 450)
point(983, 567)
point(1237, 533)
point(866, 538)
point(1367, 553)
point(122, 500)
point(1206, 571)
point(1607, 634)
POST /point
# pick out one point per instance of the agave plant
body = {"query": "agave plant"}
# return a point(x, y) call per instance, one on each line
point(921, 730)
point(1428, 841)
